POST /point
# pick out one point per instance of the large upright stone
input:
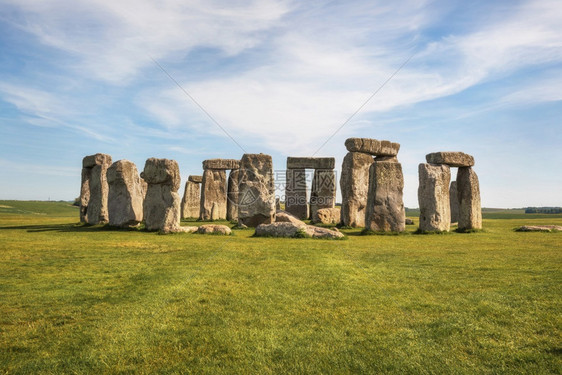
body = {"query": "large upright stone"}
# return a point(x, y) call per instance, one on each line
point(296, 197)
point(256, 199)
point(372, 146)
point(454, 202)
point(385, 206)
point(232, 195)
point(162, 202)
point(354, 185)
point(470, 212)
point(323, 190)
point(450, 158)
point(126, 196)
point(191, 200)
point(213, 193)
point(433, 197)
point(310, 163)
point(94, 189)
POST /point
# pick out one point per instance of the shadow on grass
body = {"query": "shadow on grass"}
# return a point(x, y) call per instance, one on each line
point(78, 227)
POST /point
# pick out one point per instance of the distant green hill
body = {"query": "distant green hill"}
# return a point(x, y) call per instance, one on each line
point(51, 208)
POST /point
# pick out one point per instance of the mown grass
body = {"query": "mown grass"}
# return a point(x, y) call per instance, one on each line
point(77, 299)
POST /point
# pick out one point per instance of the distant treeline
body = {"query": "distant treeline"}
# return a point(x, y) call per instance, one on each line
point(543, 210)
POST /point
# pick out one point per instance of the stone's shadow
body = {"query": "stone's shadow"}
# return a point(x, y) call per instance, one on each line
point(68, 228)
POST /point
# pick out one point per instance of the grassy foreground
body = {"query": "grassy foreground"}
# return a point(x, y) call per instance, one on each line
point(90, 300)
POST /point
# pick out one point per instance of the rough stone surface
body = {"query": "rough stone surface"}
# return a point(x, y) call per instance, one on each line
point(162, 202)
point(94, 189)
point(372, 146)
point(232, 195)
point(310, 163)
point(317, 232)
point(409, 221)
point(385, 206)
point(125, 198)
point(327, 216)
point(188, 229)
point(468, 190)
point(221, 164)
point(256, 190)
point(433, 197)
point(450, 158)
point(214, 229)
point(288, 229)
point(196, 179)
point(191, 201)
point(540, 228)
point(454, 202)
point(97, 159)
point(282, 229)
point(296, 196)
point(162, 171)
point(323, 190)
point(285, 217)
point(213, 192)
point(354, 185)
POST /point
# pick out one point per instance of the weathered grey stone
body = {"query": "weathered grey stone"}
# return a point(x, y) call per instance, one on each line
point(94, 189)
point(214, 229)
point(256, 190)
point(468, 188)
point(354, 185)
point(125, 198)
point(213, 192)
point(162, 171)
point(310, 163)
point(540, 228)
point(188, 229)
point(289, 229)
point(232, 195)
point(372, 146)
point(296, 196)
point(450, 158)
point(327, 216)
point(221, 164)
point(317, 232)
point(409, 221)
point(433, 197)
point(97, 159)
point(162, 202)
point(191, 201)
point(162, 208)
point(323, 190)
point(282, 229)
point(385, 206)
point(454, 201)
point(285, 217)
point(195, 179)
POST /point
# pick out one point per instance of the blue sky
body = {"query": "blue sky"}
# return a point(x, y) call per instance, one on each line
point(78, 77)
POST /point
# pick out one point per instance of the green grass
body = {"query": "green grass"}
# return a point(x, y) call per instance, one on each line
point(77, 299)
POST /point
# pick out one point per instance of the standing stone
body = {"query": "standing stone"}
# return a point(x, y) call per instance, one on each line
point(323, 191)
point(354, 185)
point(162, 202)
point(125, 198)
point(213, 191)
point(433, 197)
point(385, 206)
point(256, 199)
point(454, 200)
point(232, 196)
point(470, 212)
point(296, 199)
point(94, 189)
point(190, 203)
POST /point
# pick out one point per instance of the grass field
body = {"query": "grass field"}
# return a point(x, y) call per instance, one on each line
point(77, 299)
